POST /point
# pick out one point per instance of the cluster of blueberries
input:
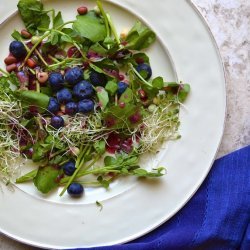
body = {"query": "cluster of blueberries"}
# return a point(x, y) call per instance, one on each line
point(82, 92)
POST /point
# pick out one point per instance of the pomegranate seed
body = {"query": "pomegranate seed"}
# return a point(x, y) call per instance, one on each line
point(82, 10)
point(139, 60)
point(135, 118)
point(122, 105)
point(114, 140)
point(126, 148)
point(121, 77)
point(31, 63)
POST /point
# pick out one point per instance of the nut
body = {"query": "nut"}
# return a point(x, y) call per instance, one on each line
point(25, 34)
point(11, 67)
point(42, 77)
point(10, 60)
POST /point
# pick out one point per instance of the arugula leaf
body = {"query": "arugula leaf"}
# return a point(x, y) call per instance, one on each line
point(103, 97)
point(111, 87)
point(140, 37)
point(90, 26)
point(45, 180)
point(33, 15)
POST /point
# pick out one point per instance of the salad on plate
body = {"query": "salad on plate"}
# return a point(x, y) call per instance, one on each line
point(78, 100)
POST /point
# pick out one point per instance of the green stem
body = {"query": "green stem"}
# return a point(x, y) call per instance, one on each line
point(41, 57)
point(56, 153)
point(99, 4)
point(37, 87)
point(113, 29)
point(78, 167)
point(53, 59)
point(33, 48)
point(4, 72)
point(139, 76)
point(61, 26)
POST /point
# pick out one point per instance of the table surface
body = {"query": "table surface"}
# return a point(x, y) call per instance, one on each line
point(230, 24)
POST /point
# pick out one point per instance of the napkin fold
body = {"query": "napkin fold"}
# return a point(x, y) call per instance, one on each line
point(216, 218)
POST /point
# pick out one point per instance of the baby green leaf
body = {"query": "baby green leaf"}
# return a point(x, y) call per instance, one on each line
point(158, 83)
point(127, 96)
point(111, 87)
point(45, 179)
point(109, 160)
point(58, 20)
point(90, 26)
point(103, 97)
point(100, 147)
point(27, 177)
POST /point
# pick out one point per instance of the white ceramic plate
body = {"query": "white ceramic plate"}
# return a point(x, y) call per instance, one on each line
point(133, 208)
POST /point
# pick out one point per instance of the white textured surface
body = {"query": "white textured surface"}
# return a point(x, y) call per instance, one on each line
point(228, 21)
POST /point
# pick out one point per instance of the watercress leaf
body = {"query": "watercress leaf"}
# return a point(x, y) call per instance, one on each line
point(109, 160)
point(54, 38)
point(58, 20)
point(90, 26)
point(100, 147)
point(45, 180)
point(183, 92)
point(111, 87)
point(127, 96)
point(103, 97)
point(32, 14)
point(158, 82)
point(27, 177)
point(16, 35)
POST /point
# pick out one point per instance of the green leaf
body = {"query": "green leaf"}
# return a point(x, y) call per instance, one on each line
point(109, 160)
point(27, 177)
point(140, 37)
point(158, 83)
point(111, 87)
point(144, 173)
point(16, 35)
point(103, 182)
point(109, 41)
point(66, 39)
point(183, 92)
point(90, 26)
point(127, 96)
point(100, 147)
point(45, 180)
point(103, 97)
point(54, 38)
point(58, 20)
point(99, 49)
point(33, 15)
point(39, 152)
point(33, 98)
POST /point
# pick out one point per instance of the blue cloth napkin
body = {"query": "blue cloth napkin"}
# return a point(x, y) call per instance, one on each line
point(216, 218)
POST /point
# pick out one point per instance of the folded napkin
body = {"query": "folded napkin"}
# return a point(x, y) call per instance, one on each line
point(216, 218)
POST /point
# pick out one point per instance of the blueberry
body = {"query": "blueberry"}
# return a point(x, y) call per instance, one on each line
point(86, 106)
point(56, 81)
point(75, 189)
point(122, 86)
point(144, 70)
point(83, 90)
point(69, 168)
point(71, 108)
point(17, 49)
point(57, 122)
point(98, 79)
point(64, 96)
point(74, 75)
point(53, 106)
